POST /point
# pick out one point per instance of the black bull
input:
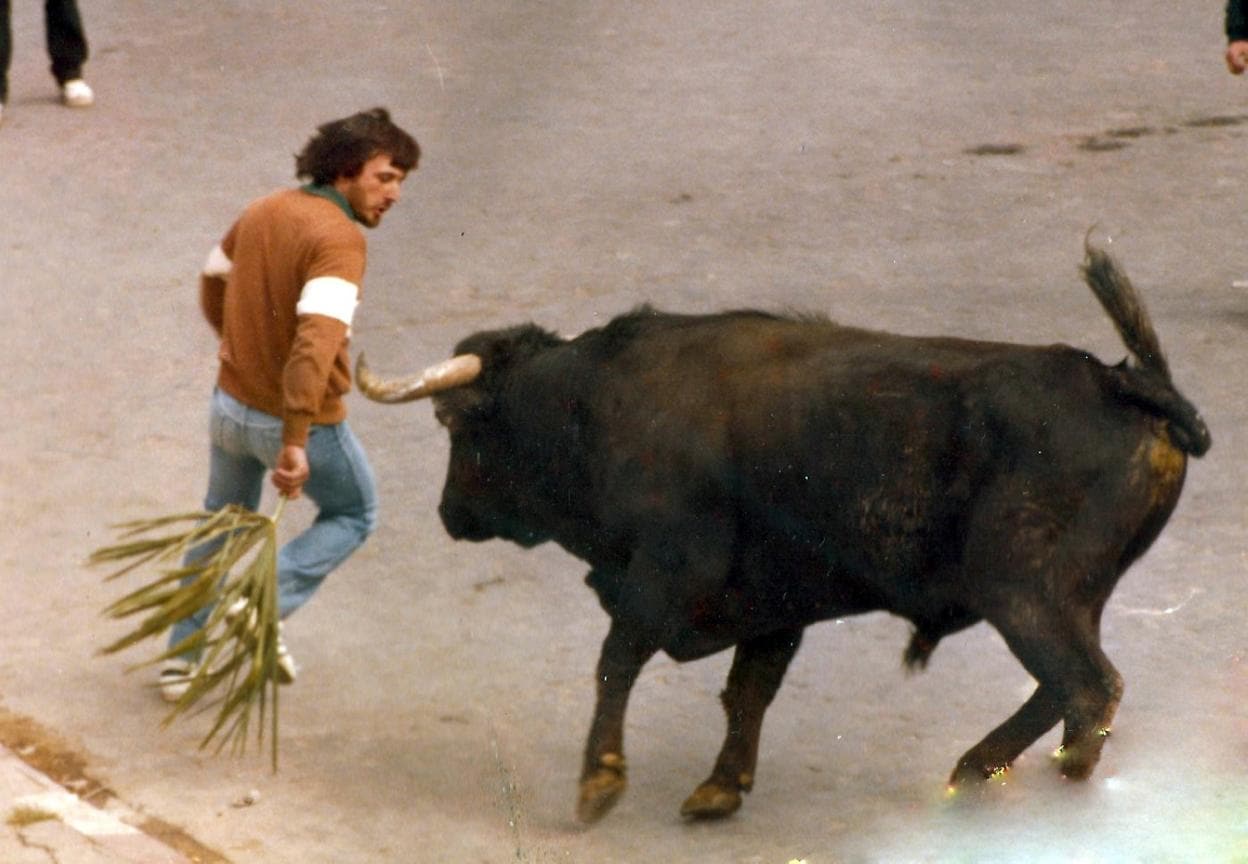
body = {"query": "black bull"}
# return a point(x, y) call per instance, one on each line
point(733, 478)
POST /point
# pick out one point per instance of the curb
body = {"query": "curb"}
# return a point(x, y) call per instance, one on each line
point(45, 819)
point(53, 810)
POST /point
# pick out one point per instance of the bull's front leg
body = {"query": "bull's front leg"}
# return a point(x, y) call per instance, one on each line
point(757, 670)
point(603, 778)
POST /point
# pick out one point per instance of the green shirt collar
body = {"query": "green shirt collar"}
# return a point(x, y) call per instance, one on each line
point(329, 193)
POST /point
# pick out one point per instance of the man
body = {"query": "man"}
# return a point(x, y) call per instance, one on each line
point(1237, 36)
point(67, 47)
point(280, 290)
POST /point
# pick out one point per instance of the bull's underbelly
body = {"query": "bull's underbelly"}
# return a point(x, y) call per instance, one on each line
point(737, 614)
point(785, 583)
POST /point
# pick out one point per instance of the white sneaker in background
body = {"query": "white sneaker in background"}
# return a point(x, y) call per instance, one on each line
point(77, 94)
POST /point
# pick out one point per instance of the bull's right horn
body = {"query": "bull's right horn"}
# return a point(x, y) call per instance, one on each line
point(456, 372)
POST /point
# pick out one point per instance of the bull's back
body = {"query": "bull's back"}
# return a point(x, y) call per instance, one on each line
point(852, 466)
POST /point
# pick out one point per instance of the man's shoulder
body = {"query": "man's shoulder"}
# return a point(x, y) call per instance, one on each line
point(294, 209)
point(291, 199)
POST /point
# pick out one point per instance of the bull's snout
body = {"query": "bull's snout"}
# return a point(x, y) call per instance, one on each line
point(461, 523)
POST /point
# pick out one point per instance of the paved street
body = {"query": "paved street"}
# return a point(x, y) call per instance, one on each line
point(920, 167)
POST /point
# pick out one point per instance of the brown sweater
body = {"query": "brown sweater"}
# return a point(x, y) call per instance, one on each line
point(280, 290)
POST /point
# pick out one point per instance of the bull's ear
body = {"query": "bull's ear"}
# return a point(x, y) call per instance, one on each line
point(501, 350)
point(459, 410)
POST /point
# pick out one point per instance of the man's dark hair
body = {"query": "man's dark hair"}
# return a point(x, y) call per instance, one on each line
point(341, 147)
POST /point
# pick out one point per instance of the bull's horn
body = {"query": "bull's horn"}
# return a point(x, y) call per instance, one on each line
point(455, 372)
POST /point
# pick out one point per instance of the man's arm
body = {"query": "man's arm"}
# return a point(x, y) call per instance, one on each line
point(212, 285)
point(291, 470)
point(318, 339)
point(1237, 36)
point(325, 310)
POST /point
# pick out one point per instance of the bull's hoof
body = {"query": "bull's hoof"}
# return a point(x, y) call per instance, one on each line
point(1076, 762)
point(969, 775)
point(711, 801)
point(601, 790)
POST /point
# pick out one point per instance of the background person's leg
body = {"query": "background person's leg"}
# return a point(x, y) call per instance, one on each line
point(67, 41)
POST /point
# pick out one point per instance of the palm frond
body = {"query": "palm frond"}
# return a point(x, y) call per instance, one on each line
point(237, 646)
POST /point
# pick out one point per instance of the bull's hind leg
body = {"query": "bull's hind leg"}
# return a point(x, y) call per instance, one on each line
point(1077, 684)
point(757, 670)
point(603, 777)
point(1090, 715)
point(1003, 745)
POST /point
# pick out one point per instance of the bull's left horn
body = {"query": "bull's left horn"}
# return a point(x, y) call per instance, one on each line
point(456, 372)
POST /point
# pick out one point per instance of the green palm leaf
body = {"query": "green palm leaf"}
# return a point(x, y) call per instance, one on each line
point(237, 671)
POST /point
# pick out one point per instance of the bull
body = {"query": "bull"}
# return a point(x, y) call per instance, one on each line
point(731, 479)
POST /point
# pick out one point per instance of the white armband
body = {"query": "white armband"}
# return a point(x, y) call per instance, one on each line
point(330, 296)
point(218, 263)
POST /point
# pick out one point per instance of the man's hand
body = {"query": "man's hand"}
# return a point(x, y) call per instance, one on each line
point(291, 471)
point(1237, 57)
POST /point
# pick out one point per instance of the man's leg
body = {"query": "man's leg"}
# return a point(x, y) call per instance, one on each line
point(342, 485)
point(67, 41)
point(235, 476)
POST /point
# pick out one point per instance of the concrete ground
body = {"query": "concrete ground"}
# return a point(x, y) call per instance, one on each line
point(922, 167)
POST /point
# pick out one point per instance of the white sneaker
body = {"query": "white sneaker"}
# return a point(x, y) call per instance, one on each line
point(238, 607)
point(77, 94)
point(175, 676)
point(286, 666)
point(175, 679)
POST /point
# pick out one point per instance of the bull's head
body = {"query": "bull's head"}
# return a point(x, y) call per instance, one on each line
point(484, 494)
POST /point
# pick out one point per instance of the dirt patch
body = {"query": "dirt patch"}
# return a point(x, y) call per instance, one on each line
point(995, 150)
point(1217, 122)
point(48, 753)
point(1132, 132)
point(175, 838)
point(1096, 144)
point(51, 755)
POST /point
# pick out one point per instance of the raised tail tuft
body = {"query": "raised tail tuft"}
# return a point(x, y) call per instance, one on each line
point(1120, 299)
point(1147, 384)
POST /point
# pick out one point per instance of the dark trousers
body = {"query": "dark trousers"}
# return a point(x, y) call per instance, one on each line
point(67, 41)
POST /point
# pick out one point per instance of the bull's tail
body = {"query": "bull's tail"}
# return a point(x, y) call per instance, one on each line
point(1148, 383)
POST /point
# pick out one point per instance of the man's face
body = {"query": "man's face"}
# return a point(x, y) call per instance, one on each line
point(374, 190)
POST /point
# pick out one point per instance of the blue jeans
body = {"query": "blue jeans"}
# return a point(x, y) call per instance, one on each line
point(245, 444)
